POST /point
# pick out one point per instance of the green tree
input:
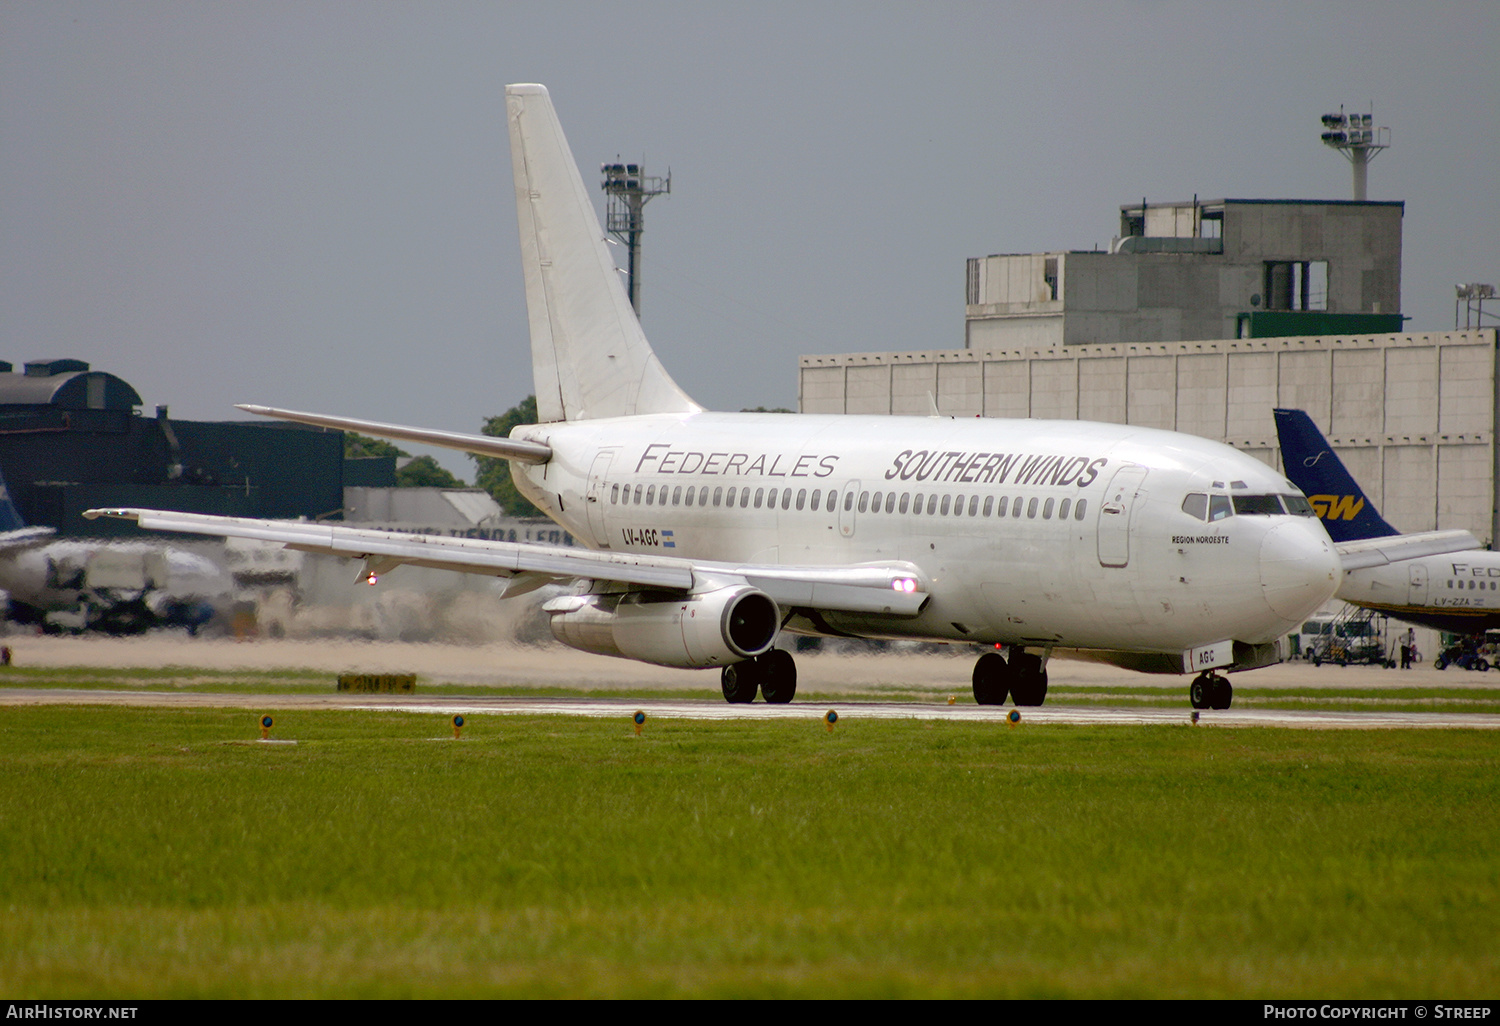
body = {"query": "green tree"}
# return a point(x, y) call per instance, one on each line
point(422, 472)
point(493, 475)
point(362, 447)
point(425, 472)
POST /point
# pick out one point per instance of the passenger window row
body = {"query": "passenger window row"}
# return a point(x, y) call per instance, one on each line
point(942, 505)
point(1481, 585)
point(916, 504)
point(732, 496)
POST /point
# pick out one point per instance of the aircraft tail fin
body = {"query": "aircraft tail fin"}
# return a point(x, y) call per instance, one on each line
point(589, 355)
point(1310, 463)
point(10, 517)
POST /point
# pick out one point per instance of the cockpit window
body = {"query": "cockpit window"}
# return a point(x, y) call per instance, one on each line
point(1257, 505)
point(1216, 507)
point(1298, 506)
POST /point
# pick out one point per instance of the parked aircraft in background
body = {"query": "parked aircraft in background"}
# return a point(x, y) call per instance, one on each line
point(710, 533)
point(116, 587)
point(1453, 586)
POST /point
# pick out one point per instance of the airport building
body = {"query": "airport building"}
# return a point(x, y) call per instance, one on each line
point(1231, 268)
point(72, 438)
point(1202, 318)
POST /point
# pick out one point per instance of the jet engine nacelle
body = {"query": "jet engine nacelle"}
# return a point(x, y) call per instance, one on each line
point(689, 631)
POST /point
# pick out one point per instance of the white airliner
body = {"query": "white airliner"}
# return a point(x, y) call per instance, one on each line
point(109, 586)
point(710, 533)
point(1439, 579)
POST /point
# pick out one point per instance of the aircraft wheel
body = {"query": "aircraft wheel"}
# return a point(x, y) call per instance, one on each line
point(739, 682)
point(1481, 665)
point(1200, 692)
point(778, 676)
point(1029, 683)
point(991, 679)
point(1223, 693)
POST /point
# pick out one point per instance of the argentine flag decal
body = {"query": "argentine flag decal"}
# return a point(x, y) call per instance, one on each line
point(666, 540)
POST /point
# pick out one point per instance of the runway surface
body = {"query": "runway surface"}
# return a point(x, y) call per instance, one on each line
point(708, 709)
point(895, 684)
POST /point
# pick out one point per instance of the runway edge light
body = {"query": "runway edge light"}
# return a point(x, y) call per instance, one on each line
point(1013, 717)
point(265, 727)
point(458, 725)
point(639, 719)
point(830, 718)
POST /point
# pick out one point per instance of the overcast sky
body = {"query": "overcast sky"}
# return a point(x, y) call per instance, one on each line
point(310, 204)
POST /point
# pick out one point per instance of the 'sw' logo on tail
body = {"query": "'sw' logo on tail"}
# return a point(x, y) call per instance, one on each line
point(1337, 507)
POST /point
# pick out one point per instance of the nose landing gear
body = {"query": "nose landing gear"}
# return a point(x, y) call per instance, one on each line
point(1210, 691)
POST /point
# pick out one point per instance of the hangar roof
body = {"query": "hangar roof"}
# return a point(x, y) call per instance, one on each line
point(68, 384)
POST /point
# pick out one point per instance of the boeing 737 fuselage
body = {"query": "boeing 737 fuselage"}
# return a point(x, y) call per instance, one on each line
point(710, 533)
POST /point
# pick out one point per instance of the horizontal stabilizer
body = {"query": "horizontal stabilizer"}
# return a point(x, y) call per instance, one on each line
point(1357, 555)
point(483, 445)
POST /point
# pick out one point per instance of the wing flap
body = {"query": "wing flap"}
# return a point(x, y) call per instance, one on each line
point(1358, 555)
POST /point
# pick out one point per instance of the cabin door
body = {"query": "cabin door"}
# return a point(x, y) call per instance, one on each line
point(598, 495)
point(1417, 595)
point(1123, 497)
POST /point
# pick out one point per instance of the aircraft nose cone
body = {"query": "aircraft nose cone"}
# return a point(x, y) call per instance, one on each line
point(1299, 569)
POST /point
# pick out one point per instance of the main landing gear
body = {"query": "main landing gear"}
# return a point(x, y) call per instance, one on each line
point(1210, 691)
point(1022, 678)
point(773, 674)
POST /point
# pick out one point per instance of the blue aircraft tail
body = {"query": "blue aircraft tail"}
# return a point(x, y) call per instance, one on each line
point(10, 517)
point(1311, 465)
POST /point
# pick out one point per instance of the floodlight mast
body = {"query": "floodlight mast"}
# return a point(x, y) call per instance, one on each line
point(629, 188)
point(1472, 295)
point(1357, 138)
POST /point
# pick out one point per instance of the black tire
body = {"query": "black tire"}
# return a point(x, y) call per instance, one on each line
point(991, 679)
point(1222, 693)
point(778, 676)
point(1029, 681)
point(1200, 692)
point(739, 682)
point(1482, 665)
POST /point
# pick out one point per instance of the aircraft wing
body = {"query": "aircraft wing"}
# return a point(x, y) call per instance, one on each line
point(24, 537)
point(892, 588)
point(1357, 555)
point(484, 445)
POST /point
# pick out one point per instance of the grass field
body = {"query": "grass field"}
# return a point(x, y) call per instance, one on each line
point(150, 853)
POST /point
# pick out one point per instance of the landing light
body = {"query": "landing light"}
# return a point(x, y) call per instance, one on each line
point(905, 584)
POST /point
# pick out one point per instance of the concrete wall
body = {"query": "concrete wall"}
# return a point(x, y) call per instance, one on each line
point(1413, 416)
